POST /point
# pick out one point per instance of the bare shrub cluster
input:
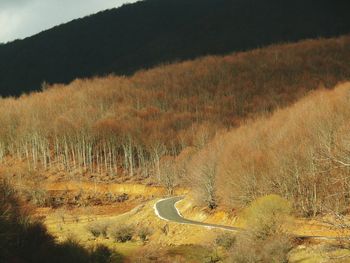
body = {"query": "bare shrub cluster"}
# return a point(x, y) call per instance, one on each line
point(99, 229)
point(119, 233)
point(123, 233)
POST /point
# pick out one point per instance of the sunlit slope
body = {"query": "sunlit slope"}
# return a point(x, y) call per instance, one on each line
point(300, 153)
point(116, 125)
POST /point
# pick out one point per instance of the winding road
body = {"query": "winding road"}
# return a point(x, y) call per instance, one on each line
point(166, 210)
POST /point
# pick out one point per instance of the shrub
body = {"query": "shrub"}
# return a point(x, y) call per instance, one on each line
point(144, 233)
point(248, 249)
point(98, 229)
point(266, 215)
point(123, 233)
point(72, 251)
point(38, 197)
point(264, 239)
point(101, 254)
point(225, 240)
point(276, 248)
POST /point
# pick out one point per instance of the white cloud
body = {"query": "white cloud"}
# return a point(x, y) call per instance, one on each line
point(23, 18)
point(8, 24)
point(13, 3)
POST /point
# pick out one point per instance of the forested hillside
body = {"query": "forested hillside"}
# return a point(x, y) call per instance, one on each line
point(136, 126)
point(300, 153)
point(152, 32)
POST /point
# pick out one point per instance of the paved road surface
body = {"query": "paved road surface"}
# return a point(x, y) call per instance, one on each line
point(166, 210)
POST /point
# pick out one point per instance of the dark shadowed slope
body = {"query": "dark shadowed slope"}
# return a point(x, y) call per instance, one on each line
point(150, 32)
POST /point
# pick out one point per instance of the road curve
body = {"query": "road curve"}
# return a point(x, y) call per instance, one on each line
point(166, 210)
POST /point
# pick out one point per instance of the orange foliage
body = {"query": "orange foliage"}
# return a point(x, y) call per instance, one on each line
point(105, 124)
point(300, 153)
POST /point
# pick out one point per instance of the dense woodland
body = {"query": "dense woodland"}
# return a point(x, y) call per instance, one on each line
point(149, 125)
point(300, 153)
point(160, 125)
point(152, 32)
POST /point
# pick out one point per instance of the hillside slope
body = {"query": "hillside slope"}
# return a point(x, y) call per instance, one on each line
point(300, 153)
point(151, 32)
point(137, 125)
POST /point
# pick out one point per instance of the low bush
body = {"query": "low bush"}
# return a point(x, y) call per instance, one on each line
point(71, 251)
point(264, 239)
point(248, 249)
point(37, 197)
point(225, 240)
point(144, 233)
point(266, 215)
point(123, 233)
point(101, 254)
point(98, 229)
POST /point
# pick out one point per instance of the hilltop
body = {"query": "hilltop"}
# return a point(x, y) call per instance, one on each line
point(152, 32)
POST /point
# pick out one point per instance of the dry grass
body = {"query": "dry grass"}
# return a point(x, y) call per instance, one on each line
point(319, 253)
point(142, 217)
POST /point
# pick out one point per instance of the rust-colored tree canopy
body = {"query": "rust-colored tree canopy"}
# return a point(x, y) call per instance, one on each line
point(300, 153)
point(135, 125)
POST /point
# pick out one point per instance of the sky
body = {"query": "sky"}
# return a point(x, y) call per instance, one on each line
point(23, 18)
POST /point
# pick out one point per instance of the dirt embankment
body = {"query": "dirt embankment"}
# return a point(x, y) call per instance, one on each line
point(131, 189)
point(189, 210)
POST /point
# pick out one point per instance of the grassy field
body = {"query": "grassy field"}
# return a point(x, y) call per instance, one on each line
point(175, 244)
